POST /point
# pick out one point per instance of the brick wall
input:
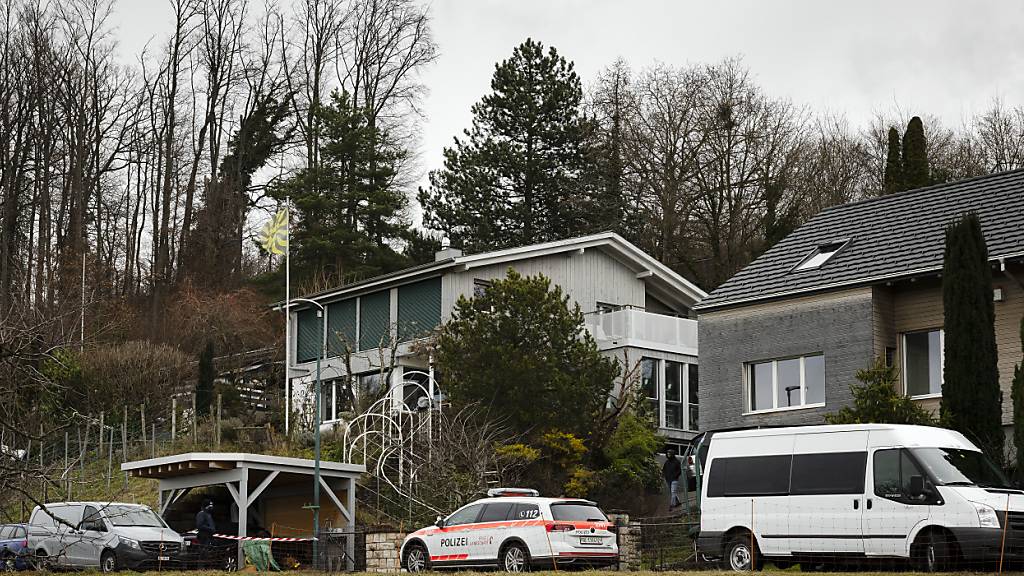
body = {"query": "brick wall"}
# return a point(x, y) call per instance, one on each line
point(837, 324)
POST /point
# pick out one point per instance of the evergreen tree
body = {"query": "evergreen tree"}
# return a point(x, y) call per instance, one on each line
point(610, 208)
point(915, 156)
point(204, 381)
point(971, 397)
point(521, 348)
point(877, 400)
point(518, 175)
point(893, 163)
point(349, 208)
point(1018, 407)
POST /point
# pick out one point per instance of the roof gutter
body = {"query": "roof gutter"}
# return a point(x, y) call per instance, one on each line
point(848, 284)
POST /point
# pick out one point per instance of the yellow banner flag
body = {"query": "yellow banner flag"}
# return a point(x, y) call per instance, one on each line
point(274, 235)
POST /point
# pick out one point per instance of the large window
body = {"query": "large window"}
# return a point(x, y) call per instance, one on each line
point(671, 392)
point(649, 369)
point(467, 515)
point(785, 383)
point(831, 473)
point(749, 476)
point(922, 362)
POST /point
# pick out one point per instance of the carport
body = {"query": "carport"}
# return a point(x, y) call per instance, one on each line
point(277, 490)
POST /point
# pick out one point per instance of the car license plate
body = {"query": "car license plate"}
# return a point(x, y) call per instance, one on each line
point(164, 558)
point(590, 540)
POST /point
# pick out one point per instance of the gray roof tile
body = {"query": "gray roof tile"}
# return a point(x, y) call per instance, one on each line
point(890, 236)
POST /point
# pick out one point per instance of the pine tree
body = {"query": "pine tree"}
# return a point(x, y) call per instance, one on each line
point(205, 379)
point(877, 400)
point(893, 163)
point(517, 176)
point(915, 156)
point(971, 396)
point(349, 209)
point(1018, 406)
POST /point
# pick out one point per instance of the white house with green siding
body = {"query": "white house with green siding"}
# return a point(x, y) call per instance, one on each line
point(637, 309)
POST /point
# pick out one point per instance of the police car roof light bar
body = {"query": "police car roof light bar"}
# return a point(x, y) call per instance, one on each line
point(520, 492)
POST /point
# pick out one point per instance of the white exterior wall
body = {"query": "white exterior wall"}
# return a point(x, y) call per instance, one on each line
point(587, 278)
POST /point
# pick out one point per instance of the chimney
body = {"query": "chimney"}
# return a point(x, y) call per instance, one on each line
point(446, 251)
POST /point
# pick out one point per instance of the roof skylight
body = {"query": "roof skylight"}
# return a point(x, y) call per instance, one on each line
point(820, 256)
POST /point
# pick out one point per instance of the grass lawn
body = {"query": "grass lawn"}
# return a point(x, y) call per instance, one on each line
point(587, 573)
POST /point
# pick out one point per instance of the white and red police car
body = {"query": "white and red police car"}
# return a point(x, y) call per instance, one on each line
point(515, 530)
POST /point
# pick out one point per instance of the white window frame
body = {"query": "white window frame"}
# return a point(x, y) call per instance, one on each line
point(748, 366)
point(804, 264)
point(942, 362)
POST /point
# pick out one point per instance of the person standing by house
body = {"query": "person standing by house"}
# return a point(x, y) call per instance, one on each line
point(672, 470)
point(205, 526)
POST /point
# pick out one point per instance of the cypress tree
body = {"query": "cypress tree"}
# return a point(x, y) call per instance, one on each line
point(204, 381)
point(893, 163)
point(1018, 406)
point(915, 156)
point(971, 397)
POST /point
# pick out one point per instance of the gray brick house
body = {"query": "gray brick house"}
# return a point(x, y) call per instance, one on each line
point(782, 339)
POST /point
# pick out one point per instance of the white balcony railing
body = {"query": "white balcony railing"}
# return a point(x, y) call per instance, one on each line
point(635, 327)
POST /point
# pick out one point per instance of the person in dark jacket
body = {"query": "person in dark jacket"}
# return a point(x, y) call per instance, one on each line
point(204, 523)
point(671, 471)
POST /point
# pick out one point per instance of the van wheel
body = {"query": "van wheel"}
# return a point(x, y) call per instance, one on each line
point(416, 559)
point(514, 558)
point(741, 555)
point(932, 552)
point(108, 562)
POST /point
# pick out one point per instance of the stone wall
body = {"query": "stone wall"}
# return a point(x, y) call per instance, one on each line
point(628, 536)
point(382, 552)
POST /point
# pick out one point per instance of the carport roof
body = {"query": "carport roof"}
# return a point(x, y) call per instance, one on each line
point(197, 462)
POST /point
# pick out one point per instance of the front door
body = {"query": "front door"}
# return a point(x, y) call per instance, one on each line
point(87, 545)
point(891, 513)
point(827, 493)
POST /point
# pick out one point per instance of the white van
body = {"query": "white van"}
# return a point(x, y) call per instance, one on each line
point(817, 494)
point(104, 535)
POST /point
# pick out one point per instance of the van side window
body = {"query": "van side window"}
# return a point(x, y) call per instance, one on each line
point(832, 473)
point(893, 470)
point(526, 512)
point(749, 476)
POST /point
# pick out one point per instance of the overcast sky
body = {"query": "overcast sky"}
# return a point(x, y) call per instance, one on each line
point(948, 58)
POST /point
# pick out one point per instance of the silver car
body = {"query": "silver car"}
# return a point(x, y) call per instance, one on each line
point(106, 535)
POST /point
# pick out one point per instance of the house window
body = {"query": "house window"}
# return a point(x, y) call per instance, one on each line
point(480, 286)
point(819, 256)
point(674, 404)
point(649, 385)
point(785, 383)
point(922, 362)
point(674, 395)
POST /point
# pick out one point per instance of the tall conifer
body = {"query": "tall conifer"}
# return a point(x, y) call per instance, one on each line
point(971, 397)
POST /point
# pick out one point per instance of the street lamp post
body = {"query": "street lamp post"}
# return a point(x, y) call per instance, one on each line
point(321, 313)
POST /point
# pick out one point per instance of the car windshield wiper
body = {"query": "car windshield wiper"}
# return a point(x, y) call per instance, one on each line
point(961, 483)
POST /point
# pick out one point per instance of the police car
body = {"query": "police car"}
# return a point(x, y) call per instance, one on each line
point(515, 530)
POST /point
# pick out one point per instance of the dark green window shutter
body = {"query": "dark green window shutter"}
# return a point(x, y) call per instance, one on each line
point(341, 327)
point(308, 346)
point(419, 308)
point(374, 318)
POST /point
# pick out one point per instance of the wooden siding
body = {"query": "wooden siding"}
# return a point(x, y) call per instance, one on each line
point(918, 306)
point(587, 278)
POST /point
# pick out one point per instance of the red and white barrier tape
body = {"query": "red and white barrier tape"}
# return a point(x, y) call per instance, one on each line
point(268, 539)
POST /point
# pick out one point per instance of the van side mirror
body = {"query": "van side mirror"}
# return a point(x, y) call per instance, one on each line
point(439, 522)
point(917, 488)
